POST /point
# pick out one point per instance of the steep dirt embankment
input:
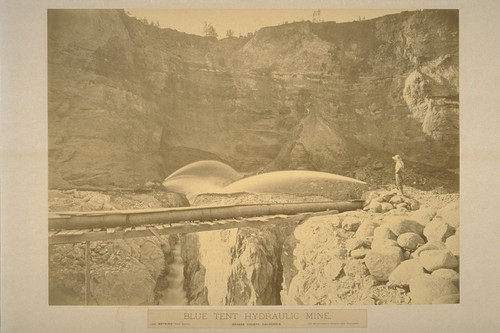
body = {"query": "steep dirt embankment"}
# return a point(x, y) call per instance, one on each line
point(130, 103)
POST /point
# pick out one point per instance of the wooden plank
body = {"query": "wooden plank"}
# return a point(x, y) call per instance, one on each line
point(65, 232)
point(65, 237)
point(100, 236)
point(154, 232)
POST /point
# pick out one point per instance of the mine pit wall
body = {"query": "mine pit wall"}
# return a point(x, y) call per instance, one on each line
point(235, 266)
point(340, 98)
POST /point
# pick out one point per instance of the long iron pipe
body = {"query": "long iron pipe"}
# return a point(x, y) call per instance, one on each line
point(124, 218)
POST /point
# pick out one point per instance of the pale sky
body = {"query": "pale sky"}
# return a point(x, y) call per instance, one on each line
point(242, 21)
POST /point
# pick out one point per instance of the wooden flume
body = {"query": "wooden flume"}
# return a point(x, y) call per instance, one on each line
point(74, 227)
point(133, 218)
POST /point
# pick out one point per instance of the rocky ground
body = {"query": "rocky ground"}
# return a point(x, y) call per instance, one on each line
point(376, 256)
point(398, 250)
point(129, 271)
point(382, 255)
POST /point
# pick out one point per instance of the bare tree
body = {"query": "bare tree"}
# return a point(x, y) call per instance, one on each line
point(209, 30)
point(317, 16)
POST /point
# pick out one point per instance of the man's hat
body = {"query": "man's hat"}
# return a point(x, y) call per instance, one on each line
point(396, 157)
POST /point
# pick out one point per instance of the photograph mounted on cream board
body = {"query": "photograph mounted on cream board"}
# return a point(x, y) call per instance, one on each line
point(280, 161)
point(291, 126)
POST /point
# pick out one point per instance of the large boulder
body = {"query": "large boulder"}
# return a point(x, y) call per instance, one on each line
point(429, 246)
point(399, 225)
point(437, 231)
point(356, 268)
point(333, 268)
point(436, 259)
point(381, 262)
point(351, 223)
point(353, 244)
point(359, 253)
point(450, 214)
point(425, 288)
point(383, 243)
point(423, 215)
point(385, 207)
point(397, 199)
point(366, 230)
point(408, 269)
point(453, 245)
point(374, 206)
point(410, 241)
point(449, 275)
point(383, 232)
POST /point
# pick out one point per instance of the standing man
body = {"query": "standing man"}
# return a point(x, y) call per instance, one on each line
point(398, 172)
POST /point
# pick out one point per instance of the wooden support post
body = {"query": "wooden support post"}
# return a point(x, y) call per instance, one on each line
point(87, 272)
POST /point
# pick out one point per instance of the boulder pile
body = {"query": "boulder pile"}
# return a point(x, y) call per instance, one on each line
point(384, 201)
point(418, 252)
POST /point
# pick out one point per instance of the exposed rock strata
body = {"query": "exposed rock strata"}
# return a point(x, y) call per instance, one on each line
point(130, 103)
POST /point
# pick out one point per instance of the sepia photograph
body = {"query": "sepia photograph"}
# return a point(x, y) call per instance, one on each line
point(191, 166)
point(253, 157)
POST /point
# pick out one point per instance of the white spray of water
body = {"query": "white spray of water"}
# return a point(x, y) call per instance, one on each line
point(175, 294)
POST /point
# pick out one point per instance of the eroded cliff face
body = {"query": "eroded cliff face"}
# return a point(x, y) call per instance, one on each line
point(130, 103)
point(240, 267)
point(121, 272)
